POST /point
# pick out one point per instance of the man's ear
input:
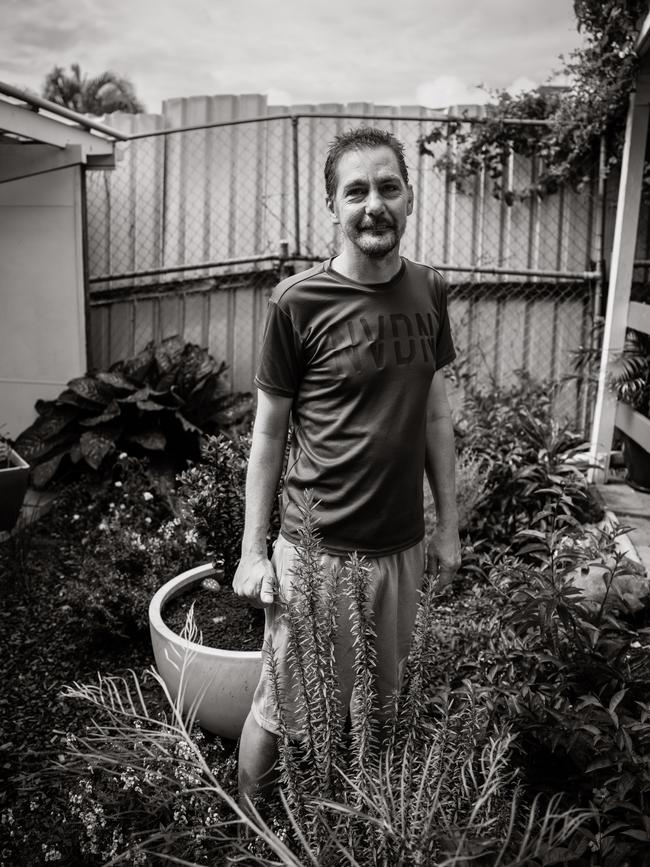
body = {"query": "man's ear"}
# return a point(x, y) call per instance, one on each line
point(330, 207)
point(409, 201)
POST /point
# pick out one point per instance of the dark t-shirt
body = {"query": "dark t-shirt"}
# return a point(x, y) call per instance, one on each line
point(358, 361)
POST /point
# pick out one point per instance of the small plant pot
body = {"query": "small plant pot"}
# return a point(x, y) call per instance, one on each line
point(220, 683)
point(13, 486)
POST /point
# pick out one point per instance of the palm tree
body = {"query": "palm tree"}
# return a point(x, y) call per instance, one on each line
point(102, 94)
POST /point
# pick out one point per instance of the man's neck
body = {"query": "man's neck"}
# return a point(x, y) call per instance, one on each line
point(363, 269)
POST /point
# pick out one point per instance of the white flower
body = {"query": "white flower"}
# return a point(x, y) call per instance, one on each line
point(123, 455)
point(635, 644)
point(76, 517)
point(147, 496)
point(103, 526)
point(147, 520)
point(191, 537)
point(118, 484)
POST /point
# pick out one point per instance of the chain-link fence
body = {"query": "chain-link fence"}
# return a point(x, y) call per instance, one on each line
point(195, 225)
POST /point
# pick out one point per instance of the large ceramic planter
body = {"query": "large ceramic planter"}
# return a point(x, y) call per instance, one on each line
point(13, 485)
point(222, 681)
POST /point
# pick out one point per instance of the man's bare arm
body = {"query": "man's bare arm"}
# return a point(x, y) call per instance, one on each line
point(255, 576)
point(443, 553)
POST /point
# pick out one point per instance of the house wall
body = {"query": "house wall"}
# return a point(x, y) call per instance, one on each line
point(42, 320)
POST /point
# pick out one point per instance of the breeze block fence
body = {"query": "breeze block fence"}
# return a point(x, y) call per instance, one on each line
point(218, 197)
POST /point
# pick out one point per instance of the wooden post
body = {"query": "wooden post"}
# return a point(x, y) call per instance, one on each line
point(622, 268)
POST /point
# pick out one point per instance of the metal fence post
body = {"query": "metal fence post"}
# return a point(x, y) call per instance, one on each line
point(296, 186)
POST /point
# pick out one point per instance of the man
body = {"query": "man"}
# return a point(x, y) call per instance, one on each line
point(352, 352)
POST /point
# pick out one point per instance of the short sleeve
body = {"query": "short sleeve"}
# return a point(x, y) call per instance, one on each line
point(280, 365)
point(445, 351)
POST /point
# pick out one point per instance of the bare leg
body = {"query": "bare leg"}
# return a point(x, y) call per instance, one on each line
point(258, 756)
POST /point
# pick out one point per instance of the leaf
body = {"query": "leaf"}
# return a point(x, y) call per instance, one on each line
point(88, 388)
point(616, 699)
point(44, 473)
point(115, 380)
point(589, 700)
point(149, 406)
point(112, 411)
point(141, 394)
point(95, 445)
point(638, 835)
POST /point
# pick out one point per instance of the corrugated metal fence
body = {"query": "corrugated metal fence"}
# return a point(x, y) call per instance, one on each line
point(219, 197)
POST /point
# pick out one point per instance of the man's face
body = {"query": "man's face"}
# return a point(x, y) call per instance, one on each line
point(372, 201)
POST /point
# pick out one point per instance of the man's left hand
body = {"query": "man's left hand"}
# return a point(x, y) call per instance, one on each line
point(443, 554)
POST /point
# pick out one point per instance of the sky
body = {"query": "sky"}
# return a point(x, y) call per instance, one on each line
point(399, 52)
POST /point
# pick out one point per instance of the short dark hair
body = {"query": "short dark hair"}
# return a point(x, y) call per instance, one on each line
point(361, 137)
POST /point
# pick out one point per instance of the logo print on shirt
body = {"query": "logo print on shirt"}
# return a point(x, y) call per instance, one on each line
point(393, 339)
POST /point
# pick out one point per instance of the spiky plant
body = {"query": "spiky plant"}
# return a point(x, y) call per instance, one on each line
point(630, 372)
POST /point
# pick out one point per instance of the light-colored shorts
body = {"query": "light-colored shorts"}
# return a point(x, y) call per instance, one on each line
point(393, 589)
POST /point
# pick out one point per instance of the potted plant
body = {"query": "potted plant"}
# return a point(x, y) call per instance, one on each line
point(218, 684)
point(14, 472)
point(630, 381)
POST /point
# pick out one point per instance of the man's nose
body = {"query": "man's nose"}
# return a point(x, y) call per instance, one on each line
point(374, 202)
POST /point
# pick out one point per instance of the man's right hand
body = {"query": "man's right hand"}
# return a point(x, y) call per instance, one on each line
point(255, 580)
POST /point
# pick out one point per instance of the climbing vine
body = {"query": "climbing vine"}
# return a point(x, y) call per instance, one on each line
point(574, 119)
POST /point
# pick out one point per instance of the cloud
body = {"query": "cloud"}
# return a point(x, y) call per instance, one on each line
point(521, 85)
point(446, 90)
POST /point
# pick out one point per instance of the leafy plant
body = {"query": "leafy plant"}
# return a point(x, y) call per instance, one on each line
point(436, 788)
point(529, 460)
point(135, 545)
point(630, 372)
point(567, 141)
point(158, 402)
point(572, 679)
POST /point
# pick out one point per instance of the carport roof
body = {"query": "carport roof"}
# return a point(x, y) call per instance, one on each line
point(37, 135)
point(25, 117)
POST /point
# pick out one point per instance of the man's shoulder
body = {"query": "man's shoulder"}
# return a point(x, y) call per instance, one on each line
point(289, 288)
point(426, 272)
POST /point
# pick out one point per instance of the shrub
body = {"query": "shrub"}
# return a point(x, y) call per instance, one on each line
point(212, 492)
point(158, 402)
point(529, 461)
point(574, 682)
point(135, 545)
point(435, 786)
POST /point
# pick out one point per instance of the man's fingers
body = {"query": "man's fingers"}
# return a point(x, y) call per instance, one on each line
point(431, 567)
point(267, 589)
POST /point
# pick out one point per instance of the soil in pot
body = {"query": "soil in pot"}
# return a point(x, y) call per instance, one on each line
point(227, 621)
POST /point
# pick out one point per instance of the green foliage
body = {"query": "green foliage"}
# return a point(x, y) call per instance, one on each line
point(140, 780)
point(156, 403)
point(430, 784)
point(529, 459)
point(211, 493)
point(136, 544)
point(101, 94)
point(573, 679)
point(630, 372)
point(433, 785)
point(602, 73)
point(139, 532)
